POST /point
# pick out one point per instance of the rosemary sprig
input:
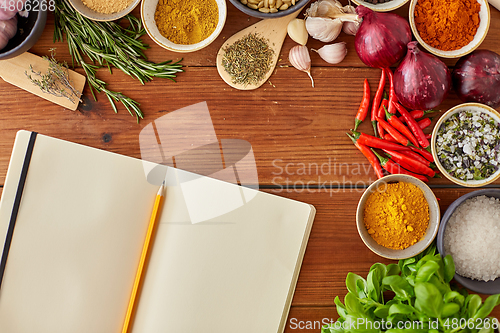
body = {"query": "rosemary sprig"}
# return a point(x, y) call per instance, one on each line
point(111, 45)
point(56, 81)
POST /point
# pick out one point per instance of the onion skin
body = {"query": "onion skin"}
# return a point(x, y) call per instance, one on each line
point(421, 81)
point(381, 38)
point(476, 78)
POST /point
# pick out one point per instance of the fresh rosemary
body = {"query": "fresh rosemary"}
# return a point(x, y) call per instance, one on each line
point(56, 81)
point(111, 45)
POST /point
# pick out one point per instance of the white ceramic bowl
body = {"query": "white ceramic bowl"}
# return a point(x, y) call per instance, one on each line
point(482, 31)
point(93, 15)
point(148, 8)
point(466, 106)
point(430, 234)
point(382, 7)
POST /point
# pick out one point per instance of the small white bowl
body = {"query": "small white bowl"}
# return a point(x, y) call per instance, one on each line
point(482, 31)
point(93, 15)
point(421, 245)
point(382, 7)
point(148, 9)
point(466, 106)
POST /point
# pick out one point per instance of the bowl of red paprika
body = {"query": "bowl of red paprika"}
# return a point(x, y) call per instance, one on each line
point(449, 29)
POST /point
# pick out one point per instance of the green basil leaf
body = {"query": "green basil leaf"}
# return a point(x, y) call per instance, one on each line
point(352, 305)
point(428, 299)
point(401, 309)
point(399, 286)
point(449, 309)
point(454, 297)
point(351, 282)
point(341, 310)
point(473, 303)
point(382, 311)
point(442, 287)
point(426, 271)
point(488, 306)
point(393, 269)
point(449, 268)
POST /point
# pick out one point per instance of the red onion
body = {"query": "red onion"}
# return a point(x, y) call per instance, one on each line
point(382, 37)
point(421, 81)
point(476, 78)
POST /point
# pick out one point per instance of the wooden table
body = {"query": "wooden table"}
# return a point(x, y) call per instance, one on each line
point(297, 133)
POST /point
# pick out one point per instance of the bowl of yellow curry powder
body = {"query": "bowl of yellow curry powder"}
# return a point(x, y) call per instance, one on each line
point(183, 26)
point(398, 216)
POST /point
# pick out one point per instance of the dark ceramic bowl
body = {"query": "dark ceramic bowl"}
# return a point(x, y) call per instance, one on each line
point(29, 30)
point(490, 287)
point(255, 13)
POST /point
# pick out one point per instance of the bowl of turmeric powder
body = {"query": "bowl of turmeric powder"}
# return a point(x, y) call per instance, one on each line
point(398, 216)
point(449, 29)
point(183, 26)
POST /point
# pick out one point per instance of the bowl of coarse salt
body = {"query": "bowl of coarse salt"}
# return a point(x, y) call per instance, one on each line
point(466, 144)
point(469, 232)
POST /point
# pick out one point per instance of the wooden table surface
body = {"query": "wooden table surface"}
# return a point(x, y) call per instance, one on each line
point(297, 133)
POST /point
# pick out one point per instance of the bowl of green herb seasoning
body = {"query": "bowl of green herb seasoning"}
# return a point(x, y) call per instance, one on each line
point(466, 144)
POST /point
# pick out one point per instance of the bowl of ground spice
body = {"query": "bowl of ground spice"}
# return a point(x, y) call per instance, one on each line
point(451, 28)
point(99, 10)
point(398, 216)
point(183, 26)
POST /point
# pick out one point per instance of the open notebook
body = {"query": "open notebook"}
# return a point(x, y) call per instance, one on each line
point(79, 232)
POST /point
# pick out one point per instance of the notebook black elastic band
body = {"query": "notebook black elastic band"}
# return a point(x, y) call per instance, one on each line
point(17, 202)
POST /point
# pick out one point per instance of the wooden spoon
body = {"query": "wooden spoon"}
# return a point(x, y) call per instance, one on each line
point(274, 30)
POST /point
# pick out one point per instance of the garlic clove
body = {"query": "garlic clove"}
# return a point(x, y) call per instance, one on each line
point(297, 31)
point(8, 29)
point(350, 28)
point(300, 59)
point(324, 29)
point(333, 53)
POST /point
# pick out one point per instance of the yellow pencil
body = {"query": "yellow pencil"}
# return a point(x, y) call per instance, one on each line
point(142, 262)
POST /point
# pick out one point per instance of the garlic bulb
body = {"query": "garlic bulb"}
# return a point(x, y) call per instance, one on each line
point(300, 59)
point(323, 29)
point(8, 8)
point(333, 53)
point(350, 28)
point(325, 8)
point(8, 29)
point(297, 31)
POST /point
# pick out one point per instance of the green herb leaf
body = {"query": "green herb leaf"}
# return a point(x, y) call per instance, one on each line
point(428, 299)
point(449, 268)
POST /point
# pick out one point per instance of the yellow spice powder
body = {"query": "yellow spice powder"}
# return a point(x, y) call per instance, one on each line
point(396, 215)
point(107, 6)
point(186, 21)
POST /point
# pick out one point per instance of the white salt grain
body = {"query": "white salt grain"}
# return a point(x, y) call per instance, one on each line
point(472, 238)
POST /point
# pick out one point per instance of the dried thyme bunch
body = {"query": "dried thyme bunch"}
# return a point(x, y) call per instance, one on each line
point(248, 59)
point(111, 45)
point(56, 81)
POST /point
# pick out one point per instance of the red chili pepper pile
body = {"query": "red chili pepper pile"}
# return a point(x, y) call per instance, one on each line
point(401, 138)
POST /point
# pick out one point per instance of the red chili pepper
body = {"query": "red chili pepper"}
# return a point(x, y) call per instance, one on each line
point(369, 156)
point(424, 123)
point(392, 93)
point(380, 129)
point(428, 136)
point(393, 132)
point(365, 104)
point(412, 123)
point(424, 153)
point(376, 100)
point(397, 124)
point(410, 164)
point(389, 138)
point(419, 158)
point(381, 114)
point(374, 142)
point(394, 168)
